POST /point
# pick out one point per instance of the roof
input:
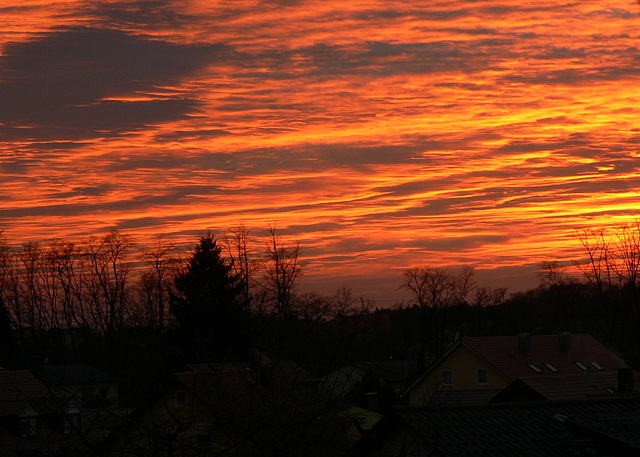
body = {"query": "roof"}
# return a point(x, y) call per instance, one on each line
point(451, 398)
point(285, 367)
point(392, 371)
point(249, 389)
point(546, 429)
point(576, 387)
point(504, 354)
point(557, 367)
point(18, 390)
point(73, 373)
point(272, 408)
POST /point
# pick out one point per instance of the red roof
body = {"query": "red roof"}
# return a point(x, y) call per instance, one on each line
point(546, 354)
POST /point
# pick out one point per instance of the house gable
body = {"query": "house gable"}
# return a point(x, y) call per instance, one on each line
point(465, 369)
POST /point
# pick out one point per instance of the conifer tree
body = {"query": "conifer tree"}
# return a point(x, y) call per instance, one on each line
point(206, 304)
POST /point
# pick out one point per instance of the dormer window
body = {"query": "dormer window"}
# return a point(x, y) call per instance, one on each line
point(582, 367)
point(482, 377)
point(551, 367)
point(181, 398)
point(71, 424)
point(71, 420)
point(534, 368)
point(28, 426)
point(204, 434)
point(597, 366)
point(28, 423)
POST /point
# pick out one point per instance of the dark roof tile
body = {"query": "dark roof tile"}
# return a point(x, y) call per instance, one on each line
point(18, 390)
point(523, 429)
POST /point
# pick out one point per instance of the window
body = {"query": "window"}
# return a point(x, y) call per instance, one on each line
point(447, 377)
point(596, 365)
point(359, 418)
point(551, 367)
point(482, 377)
point(28, 426)
point(581, 366)
point(71, 423)
point(534, 368)
point(181, 398)
point(204, 434)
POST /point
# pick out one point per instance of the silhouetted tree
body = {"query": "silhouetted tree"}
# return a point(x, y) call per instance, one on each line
point(612, 268)
point(206, 305)
point(8, 356)
point(237, 248)
point(110, 268)
point(435, 291)
point(154, 284)
point(282, 269)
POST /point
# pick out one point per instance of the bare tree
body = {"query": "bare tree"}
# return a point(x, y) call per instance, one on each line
point(486, 296)
point(31, 293)
point(612, 265)
point(10, 284)
point(237, 242)
point(438, 287)
point(552, 273)
point(282, 269)
point(154, 283)
point(435, 291)
point(597, 267)
point(626, 254)
point(65, 264)
point(110, 267)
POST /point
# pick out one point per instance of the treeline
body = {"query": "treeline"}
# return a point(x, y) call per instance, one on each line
point(107, 283)
point(107, 301)
point(144, 311)
point(598, 294)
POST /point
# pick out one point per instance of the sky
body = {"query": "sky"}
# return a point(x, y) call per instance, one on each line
point(380, 134)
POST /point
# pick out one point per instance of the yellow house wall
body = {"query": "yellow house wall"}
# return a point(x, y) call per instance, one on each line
point(463, 363)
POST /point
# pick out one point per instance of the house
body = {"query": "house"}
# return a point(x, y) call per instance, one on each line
point(233, 409)
point(477, 370)
point(393, 374)
point(88, 385)
point(596, 428)
point(34, 422)
point(363, 391)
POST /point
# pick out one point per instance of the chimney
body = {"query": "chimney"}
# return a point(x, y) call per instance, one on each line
point(524, 343)
point(564, 339)
point(625, 380)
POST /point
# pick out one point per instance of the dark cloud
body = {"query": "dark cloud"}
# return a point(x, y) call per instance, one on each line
point(111, 201)
point(575, 76)
point(315, 227)
point(189, 135)
point(555, 53)
point(75, 209)
point(57, 86)
point(147, 14)
point(87, 191)
point(378, 58)
point(141, 222)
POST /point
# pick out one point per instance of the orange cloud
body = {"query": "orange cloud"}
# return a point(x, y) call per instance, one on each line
point(382, 135)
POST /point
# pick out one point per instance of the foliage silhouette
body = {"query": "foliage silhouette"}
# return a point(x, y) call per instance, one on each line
point(212, 322)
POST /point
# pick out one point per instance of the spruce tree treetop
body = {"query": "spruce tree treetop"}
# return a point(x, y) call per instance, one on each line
point(206, 304)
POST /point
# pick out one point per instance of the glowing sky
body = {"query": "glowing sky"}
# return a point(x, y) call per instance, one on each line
point(381, 134)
